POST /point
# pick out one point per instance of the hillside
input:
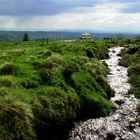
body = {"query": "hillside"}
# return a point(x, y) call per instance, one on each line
point(10, 36)
point(44, 87)
point(131, 59)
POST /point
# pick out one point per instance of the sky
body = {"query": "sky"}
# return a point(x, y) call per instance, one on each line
point(96, 15)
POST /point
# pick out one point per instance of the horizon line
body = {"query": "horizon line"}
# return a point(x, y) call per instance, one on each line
point(65, 30)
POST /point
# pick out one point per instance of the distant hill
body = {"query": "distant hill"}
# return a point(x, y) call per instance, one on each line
point(10, 36)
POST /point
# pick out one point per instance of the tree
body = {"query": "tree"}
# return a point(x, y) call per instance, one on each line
point(26, 37)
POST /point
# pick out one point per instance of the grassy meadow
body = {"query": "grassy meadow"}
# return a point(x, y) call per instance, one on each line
point(44, 87)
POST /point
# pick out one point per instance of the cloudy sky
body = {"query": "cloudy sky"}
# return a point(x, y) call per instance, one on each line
point(97, 15)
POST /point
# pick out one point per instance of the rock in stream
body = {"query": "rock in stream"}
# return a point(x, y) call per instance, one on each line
point(121, 124)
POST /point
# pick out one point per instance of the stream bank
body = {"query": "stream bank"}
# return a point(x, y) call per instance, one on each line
point(121, 124)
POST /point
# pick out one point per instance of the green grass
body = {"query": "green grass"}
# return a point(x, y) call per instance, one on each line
point(131, 59)
point(43, 87)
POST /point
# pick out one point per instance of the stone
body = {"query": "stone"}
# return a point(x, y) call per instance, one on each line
point(110, 136)
point(119, 102)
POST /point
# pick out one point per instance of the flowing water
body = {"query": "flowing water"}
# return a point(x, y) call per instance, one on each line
point(121, 124)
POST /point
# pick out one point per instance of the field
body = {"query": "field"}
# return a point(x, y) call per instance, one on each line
point(45, 86)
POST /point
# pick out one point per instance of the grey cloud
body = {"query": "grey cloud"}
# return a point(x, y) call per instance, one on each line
point(41, 7)
point(52, 7)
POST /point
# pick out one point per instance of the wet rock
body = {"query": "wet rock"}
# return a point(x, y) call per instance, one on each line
point(118, 69)
point(119, 102)
point(111, 136)
point(113, 51)
point(131, 127)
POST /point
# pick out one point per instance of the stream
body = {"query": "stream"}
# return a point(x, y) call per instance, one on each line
point(121, 124)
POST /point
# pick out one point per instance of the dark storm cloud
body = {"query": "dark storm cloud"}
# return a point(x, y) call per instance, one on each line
point(41, 7)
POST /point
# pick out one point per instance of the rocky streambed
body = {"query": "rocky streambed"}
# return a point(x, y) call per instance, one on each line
point(121, 124)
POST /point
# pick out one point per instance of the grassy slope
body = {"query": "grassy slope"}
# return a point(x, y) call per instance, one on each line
point(45, 86)
point(131, 59)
